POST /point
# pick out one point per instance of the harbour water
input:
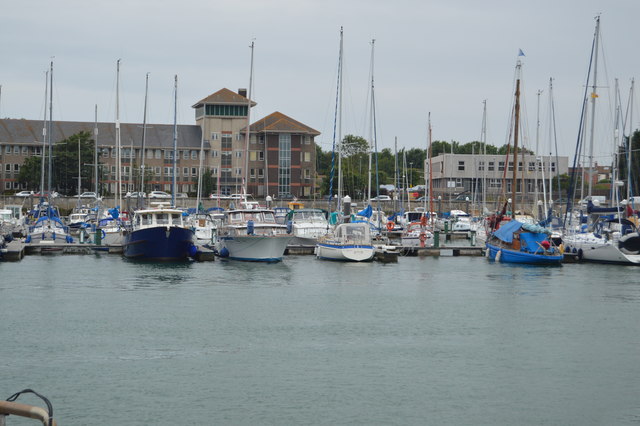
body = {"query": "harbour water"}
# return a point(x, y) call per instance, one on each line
point(442, 341)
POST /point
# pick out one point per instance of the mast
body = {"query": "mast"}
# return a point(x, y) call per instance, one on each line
point(629, 143)
point(483, 138)
point(144, 137)
point(245, 175)
point(175, 140)
point(118, 196)
point(371, 129)
point(50, 132)
point(339, 201)
point(516, 129)
point(95, 152)
point(430, 154)
point(594, 95)
point(537, 157)
point(43, 155)
point(335, 125)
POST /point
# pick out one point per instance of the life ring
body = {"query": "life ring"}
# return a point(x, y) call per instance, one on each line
point(390, 226)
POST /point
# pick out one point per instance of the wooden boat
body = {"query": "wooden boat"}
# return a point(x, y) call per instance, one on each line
point(518, 242)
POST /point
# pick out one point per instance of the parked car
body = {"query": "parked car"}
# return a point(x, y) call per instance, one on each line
point(88, 195)
point(135, 194)
point(159, 194)
point(24, 194)
point(181, 195)
point(239, 196)
point(215, 195)
point(46, 194)
point(381, 198)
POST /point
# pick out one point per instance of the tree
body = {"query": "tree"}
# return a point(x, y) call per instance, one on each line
point(64, 166)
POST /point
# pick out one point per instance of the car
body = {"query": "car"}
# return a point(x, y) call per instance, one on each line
point(88, 195)
point(46, 194)
point(24, 194)
point(159, 194)
point(136, 194)
point(239, 196)
point(381, 198)
point(181, 195)
point(215, 195)
point(286, 197)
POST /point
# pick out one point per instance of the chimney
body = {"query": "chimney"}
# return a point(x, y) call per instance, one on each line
point(242, 92)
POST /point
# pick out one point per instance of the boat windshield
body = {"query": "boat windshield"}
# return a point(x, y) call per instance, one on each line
point(268, 217)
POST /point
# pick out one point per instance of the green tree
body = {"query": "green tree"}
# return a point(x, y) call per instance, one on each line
point(65, 163)
point(30, 173)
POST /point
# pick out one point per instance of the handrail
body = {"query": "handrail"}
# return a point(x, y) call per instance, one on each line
point(24, 410)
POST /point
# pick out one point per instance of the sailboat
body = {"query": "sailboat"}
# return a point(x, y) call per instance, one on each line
point(46, 226)
point(347, 241)
point(606, 239)
point(159, 233)
point(513, 241)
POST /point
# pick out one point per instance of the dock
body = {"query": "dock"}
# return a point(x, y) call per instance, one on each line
point(448, 251)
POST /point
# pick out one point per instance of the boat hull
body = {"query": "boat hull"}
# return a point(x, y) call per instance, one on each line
point(506, 255)
point(166, 243)
point(345, 253)
point(254, 248)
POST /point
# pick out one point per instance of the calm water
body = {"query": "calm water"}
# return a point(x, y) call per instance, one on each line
point(453, 341)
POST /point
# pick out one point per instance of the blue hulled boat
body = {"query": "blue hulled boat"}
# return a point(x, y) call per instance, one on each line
point(518, 242)
point(158, 234)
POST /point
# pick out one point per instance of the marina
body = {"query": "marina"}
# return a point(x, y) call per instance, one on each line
point(438, 339)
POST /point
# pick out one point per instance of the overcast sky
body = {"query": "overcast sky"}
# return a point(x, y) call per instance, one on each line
point(439, 56)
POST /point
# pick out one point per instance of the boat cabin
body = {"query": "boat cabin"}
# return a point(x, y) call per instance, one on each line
point(151, 218)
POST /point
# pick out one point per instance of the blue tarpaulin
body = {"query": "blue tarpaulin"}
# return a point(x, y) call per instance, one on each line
point(367, 212)
point(506, 230)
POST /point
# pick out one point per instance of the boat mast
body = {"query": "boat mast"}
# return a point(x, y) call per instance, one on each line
point(430, 154)
point(43, 155)
point(50, 132)
point(629, 142)
point(144, 137)
point(537, 156)
point(175, 140)
point(95, 152)
point(118, 198)
point(516, 129)
point(339, 201)
point(483, 138)
point(247, 134)
point(594, 95)
point(371, 129)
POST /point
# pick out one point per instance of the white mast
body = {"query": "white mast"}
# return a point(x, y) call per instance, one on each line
point(629, 149)
point(175, 140)
point(371, 129)
point(594, 95)
point(483, 139)
point(537, 158)
point(339, 201)
point(43, 155)
point(95, 152)
point(118, 196)
point(50, 133)
point(245, 175)
point(144, 137)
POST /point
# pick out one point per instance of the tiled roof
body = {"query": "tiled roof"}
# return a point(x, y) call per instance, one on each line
point(277, 122)
point(21, 131)
point(224, 97)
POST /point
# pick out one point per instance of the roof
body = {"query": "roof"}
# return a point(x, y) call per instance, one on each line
point(277, 122)
point(224, 97)
point(21, 131)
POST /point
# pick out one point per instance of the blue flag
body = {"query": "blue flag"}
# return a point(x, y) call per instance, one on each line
point(520, 52)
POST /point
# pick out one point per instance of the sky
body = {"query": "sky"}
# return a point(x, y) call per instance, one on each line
point(441, 58)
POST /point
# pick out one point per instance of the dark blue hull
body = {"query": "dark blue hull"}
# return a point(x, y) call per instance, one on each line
point(159, 243)
point(512, 256)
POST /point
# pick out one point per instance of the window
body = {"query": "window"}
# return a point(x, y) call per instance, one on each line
point(510, 166)
point(156, 171)
point(253, 155)
point(194, 171)
point(226, 142)
point(260, 173)
point(252, 139)
point(7, 168)
point(238, 154)
point(461, 165)
point(284, 164)
point(491, 166)
point(226, 159)
point(553, 167)
point(532, 166)
point(495, 183)
point(519, 166)
point(480, 165)
point(185, 171)
point(260, 155)
point(252, 174)
point(113, 153)
point(238, 171)
point(215, 136)
point(307, 139)
point(16, 149)
point(194, 154)
point(239, 136)
point(307, 157)
point(167, 171)
point(25, 150)
point(7, 149)
point(501, 166)
point(37, 151)
point(214, 153)
point(214, 171)
point(261, 139)
point(158, 154)
point(168, 154)
point(307, 174)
